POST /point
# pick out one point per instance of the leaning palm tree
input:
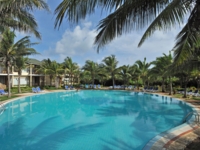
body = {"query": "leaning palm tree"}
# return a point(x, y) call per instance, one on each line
point(18, 15)
point(128, 15)
point(10, 51)
point(70, 68)
point(110, 64)
point(20, 64)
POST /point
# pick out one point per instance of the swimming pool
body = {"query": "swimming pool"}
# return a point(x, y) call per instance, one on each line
point(88, 120)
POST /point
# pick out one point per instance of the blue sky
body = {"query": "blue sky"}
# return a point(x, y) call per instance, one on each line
point(77, 41)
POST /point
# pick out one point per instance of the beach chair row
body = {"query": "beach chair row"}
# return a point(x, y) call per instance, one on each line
point(87, 86)
point(36, 90)
point(190, 92)
point(150, 89)
point(70, 87)
point(130, 87)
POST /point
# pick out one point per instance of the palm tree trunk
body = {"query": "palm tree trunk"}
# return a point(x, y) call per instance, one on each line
point(92, 81)
point(163, 86)
point(8, 72)
point(71, 79)
point(113, 80)
point(19, 89)
point(170, 86)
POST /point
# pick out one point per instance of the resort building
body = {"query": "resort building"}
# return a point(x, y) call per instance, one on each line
point(29, 75)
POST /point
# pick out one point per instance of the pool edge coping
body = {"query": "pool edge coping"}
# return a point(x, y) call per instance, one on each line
point(164, 139)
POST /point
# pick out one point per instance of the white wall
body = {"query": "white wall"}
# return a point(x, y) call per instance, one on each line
point(23, 81)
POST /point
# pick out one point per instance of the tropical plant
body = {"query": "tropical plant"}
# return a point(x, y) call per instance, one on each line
point(93, 68)
point(20, 64)
point(125, 74)
point(17, 15)
point(161, 68)
point(10, 51)
point(55, 70)
point(143, 67)
point(44, 69)
point(128, 15)
point(71, 68)
point(110, 64)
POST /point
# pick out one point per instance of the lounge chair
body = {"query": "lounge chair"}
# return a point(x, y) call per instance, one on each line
point(98, 86)
point(195, 93)
point(2, 92)
point(34, 90)
point(86, 86)
point(71, 87)
point(95, 86)
point(189, 92)
point(38, 89)
point(66, 87)
point(130, 87)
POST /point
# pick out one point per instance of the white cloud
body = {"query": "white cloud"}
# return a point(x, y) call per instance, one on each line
point(76, 42)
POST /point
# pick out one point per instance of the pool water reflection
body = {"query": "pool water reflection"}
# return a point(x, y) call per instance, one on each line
point(88, 120)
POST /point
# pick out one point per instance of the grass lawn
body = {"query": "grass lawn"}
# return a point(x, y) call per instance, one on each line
point(5, 97)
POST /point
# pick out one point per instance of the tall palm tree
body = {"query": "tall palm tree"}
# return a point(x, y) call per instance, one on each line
point(18, 15)
point(110, 63)
point(128, 15)
point(56, 70)
point(161, 68)
point(143, 67)
point(125, 74)
point(44, 69)
point(70, 67)
point(20, 64)
point(93, 68)
point(10, 51)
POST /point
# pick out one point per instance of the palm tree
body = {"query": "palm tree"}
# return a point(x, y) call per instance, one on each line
point(44, 69)
point(20, 64)
point(125, 74)
point(56, 71)
point(70, 67)
point(85, 77)
point(143, 67)
point(93, 68)
point(10, 51)
point(129, 15)
point(110, 64)
point(161, 68)
point(17, 15)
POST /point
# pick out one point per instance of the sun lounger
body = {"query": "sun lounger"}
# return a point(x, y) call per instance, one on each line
point(2, 92)
point(66, 87)
point(34, 90)
point(98, 86)
point(38, 89)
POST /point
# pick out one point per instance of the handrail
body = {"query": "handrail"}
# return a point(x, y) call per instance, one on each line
point(196, 114)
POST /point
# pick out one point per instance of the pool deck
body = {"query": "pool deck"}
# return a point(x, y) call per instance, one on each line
point(175, 139)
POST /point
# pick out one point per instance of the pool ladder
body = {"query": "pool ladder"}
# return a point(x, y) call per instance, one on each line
point(196, 115)
point(2, 108)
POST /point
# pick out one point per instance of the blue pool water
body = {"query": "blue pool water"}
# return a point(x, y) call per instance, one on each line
point(88, 120)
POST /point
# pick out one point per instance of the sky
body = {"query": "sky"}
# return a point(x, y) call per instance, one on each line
point(76, 41)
